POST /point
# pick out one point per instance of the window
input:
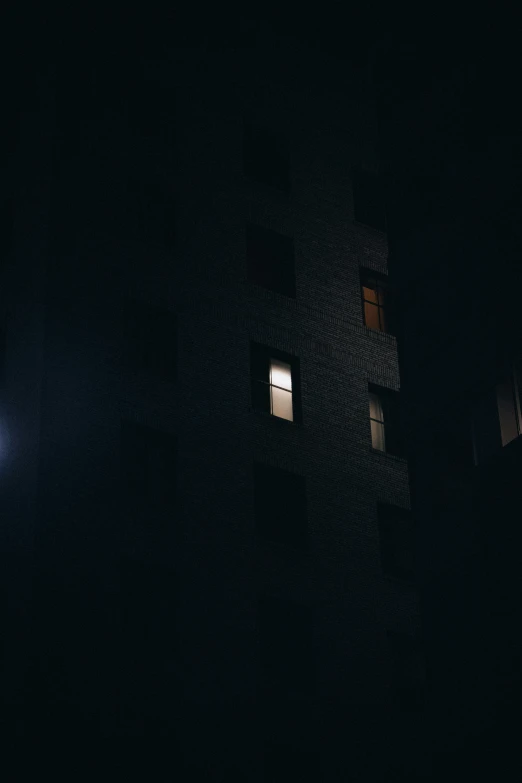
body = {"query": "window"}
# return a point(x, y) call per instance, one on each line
point(377, 422)
point(285, 636)
point(280, 506)
point(270, 258)
point(496, 415)
point(376, 301)
point(150, 212)
point(368, 199)
point(275, 382)
point(396, 541)
point(149, 468)
point(150, 339)
point(408, 669)
point(284, 761)
point(149, 600)
point(385, 420)
point(148, 606)
point(266, 157)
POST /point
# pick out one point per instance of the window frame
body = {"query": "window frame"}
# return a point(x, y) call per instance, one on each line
point(409, 682)
point(358, 176)
point(389, 518)
point(486, 420)
point(266, 478)
point(296, 672)
point(142, 449)
point(379, 422)
point(263, 353)
point(260, 141)
point(144, 326)
point(382, 290)
point(390, 404)
point(272, 243)
point(151, 211)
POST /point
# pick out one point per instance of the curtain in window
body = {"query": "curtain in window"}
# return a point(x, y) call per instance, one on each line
point(377, 422)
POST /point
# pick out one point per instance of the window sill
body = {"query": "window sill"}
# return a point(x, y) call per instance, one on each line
point(382, 335)
point(281, 422)
point(380, 231)
point(503, 453)
point(271, 293)
point(387, 455)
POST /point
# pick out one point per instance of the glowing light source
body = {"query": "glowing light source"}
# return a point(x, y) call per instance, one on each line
point(281, 390)
point(377, 422)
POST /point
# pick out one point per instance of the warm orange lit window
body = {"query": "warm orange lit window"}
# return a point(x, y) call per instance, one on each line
point(375, 299)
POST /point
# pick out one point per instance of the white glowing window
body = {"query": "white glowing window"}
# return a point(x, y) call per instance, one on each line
point(377, 422)
point(281, 390)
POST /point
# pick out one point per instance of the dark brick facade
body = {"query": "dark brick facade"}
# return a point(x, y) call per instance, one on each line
point(87, 537)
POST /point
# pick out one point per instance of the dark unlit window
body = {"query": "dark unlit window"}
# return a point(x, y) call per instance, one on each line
point(149, 467)
point(283, 762)
point(275, 382)
point(376, 301)
point(266, 156)
point(150, 212)
point(368, 199)
point(396, 541)
point(280, 506)
point(409, 670)
point(286, 646)
point(270, 259)
point(496, 415)
point(385, 426)
point(148, 604)
point(150, 339)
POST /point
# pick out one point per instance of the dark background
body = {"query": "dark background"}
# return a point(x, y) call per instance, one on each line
point(446, 91)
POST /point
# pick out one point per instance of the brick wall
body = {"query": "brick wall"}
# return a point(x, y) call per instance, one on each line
point(221, 566)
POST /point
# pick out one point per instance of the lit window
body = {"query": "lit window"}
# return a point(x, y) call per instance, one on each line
point(497, 416)
point(508, 405)
point(385, 420)
point(281, 389)
point(376, 301)
point(275, 381)
point(377, 423)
